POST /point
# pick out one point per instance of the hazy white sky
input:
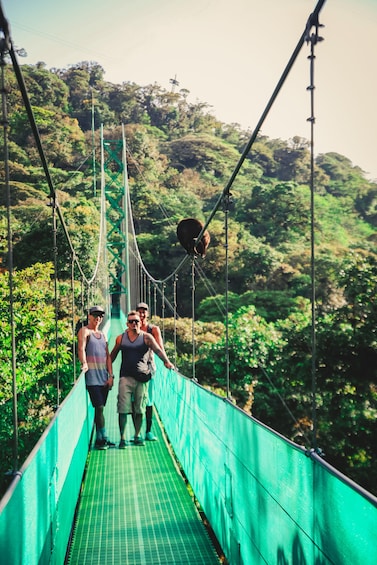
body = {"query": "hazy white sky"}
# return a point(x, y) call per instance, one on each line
point(227, 53)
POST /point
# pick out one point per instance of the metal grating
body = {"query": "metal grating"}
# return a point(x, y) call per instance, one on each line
point(135, 507)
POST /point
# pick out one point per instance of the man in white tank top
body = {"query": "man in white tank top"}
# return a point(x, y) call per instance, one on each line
point(143, 310)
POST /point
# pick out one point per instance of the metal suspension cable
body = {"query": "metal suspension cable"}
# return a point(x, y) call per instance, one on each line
point(313, 39)
point(29, 111)
point(55, 259)
point(175, 318)
point(193, 313)
point(73, 318)
point(198, 268)
point(227, 361)
point(312, 21)
point(4, 47)
point(137, 251)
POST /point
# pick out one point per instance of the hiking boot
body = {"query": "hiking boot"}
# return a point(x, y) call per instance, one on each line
point(122, 444)
point(150, 437)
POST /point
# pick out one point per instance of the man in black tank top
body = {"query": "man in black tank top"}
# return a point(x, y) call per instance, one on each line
point(135, 346)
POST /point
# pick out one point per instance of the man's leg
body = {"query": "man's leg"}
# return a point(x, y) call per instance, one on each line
point(123, 408)
point(138, 419)
point(99, 416)
point(149, 414)
point(140, 401)
point(122, 418)
point(148, 418)
point(99, 420)
point(101, 438)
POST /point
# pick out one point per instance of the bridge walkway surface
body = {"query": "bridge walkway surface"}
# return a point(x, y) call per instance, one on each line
point(135, 507)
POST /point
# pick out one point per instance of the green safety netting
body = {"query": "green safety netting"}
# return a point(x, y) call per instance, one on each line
point(36, 513)
point(267, 499)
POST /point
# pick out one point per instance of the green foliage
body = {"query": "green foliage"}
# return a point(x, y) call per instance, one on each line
point(35, 359)
point(179, 159)
point(250, 342)
point(271, 305)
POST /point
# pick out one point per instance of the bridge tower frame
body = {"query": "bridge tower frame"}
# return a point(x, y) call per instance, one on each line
point(114, 179)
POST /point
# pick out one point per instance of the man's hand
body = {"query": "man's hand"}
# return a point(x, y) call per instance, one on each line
point(110, 382)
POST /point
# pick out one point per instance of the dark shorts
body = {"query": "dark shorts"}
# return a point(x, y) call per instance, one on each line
point(98, 395)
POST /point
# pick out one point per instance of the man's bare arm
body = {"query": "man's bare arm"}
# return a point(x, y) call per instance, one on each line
point(152, 343)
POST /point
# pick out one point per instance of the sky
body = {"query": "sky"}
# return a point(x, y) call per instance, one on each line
point(229, 54)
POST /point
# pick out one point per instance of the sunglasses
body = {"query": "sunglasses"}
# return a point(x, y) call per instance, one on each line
point(133, 321)
point(98, 315)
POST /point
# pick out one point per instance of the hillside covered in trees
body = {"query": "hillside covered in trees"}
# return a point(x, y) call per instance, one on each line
point(179, 159)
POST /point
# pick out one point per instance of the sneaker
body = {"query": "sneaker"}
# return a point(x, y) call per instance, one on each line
point(101, 444)
point(150, 437)
point(122, 444)
point(138, 441)
point(109, 443)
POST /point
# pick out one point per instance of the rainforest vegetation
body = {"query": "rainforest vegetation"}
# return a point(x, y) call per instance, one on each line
point(180, 157)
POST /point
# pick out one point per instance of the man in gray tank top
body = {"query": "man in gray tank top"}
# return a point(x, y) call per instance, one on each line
point(96, 363)
point(135, 347)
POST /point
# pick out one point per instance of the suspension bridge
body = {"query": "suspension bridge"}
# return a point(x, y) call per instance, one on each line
point(217, 486)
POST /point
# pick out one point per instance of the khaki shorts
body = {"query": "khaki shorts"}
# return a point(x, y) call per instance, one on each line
point(132, 394)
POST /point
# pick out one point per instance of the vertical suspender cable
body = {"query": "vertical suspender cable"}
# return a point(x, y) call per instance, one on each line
point(82, 297)
point(226, 201)
point(93, 150)
point(149, 293)
point(73, 317)
point(55, 259)
point(163, 310)
point(175, 317)
point(4, 47)
point(155, 299)
point(144, 283)
point(126, 220)
point(313, 39)
point(313, 20)
point(193, 313)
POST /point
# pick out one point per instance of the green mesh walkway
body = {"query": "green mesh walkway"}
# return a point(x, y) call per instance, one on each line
point(135, 507)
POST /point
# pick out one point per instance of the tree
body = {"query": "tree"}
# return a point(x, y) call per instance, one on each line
point(36, 383)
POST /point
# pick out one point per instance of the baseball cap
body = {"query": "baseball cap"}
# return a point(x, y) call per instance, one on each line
point(96, 310)
point(142, 305)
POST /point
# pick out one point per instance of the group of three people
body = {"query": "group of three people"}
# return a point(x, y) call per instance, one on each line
point(137, 345)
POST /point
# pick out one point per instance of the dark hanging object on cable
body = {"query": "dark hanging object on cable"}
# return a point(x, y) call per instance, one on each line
point(187, 233)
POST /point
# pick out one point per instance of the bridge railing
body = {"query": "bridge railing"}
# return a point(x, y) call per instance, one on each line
point(267, 499)
point(37, 511)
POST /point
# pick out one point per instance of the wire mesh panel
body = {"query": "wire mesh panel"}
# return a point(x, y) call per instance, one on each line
point(267, 499)
point(37, 511)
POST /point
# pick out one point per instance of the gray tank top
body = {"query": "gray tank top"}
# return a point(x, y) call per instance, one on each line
point(95, 349)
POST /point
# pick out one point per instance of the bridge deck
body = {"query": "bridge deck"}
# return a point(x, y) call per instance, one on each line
point(135, 507)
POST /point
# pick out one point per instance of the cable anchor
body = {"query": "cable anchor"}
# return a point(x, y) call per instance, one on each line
point(228, 202)
point(314, 37)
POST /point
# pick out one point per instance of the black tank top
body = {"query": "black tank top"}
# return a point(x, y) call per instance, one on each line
point(135, 358)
